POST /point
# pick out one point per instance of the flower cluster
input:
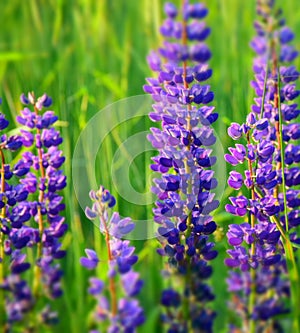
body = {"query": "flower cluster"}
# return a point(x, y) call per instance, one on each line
point(117, 314)
point(271, 174)
point(14, 236)
point(184, 190)
point(30, 212)
point(44, 181)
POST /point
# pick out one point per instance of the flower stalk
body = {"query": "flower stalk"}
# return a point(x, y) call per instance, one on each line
point(43, 180)
point(262, 250)
point(252, 297)
point(37, 271)
point(112, 284)
point(184, 187)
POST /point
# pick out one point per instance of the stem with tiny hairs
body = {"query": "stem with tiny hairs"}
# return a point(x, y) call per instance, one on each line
point(252, 297)
point(186, 303)
point(112, 283)
point(37, 270)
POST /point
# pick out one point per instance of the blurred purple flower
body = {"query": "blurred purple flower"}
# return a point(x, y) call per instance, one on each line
point(257, 245)
point(114, 311)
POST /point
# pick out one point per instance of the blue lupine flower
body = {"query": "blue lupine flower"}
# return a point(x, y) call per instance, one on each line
point(46, 180)
point(91, 261)
point(35, 197)
point(15, 212)
point(184, 190)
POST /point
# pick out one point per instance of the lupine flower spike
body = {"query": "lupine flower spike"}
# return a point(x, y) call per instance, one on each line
point(117, 308)
point(15, 294)
point(42, 180)
point(184, 189)
point(264, 245)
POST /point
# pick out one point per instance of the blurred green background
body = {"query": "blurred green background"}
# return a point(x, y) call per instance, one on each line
point(87, 54)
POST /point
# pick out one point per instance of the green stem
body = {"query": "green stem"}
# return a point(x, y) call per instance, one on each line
point(186, 302)
point(252, 297)
point(187, 284)
point(294, 284)
point(37, 270)
point(37, 273)
point(282, 153)
point(112, 283)
point(252, 300)
point(292, 273)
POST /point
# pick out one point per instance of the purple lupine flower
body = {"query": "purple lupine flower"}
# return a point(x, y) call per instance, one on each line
point(35, 199)
point(256, 244)
point(91, 261)
point(120, 312)
point(15, 236)
point(184, 189)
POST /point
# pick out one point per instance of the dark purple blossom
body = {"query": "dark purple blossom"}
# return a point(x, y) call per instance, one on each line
point(44, 181)
point(184, 140)
point(15, 236)
point(31, 213)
